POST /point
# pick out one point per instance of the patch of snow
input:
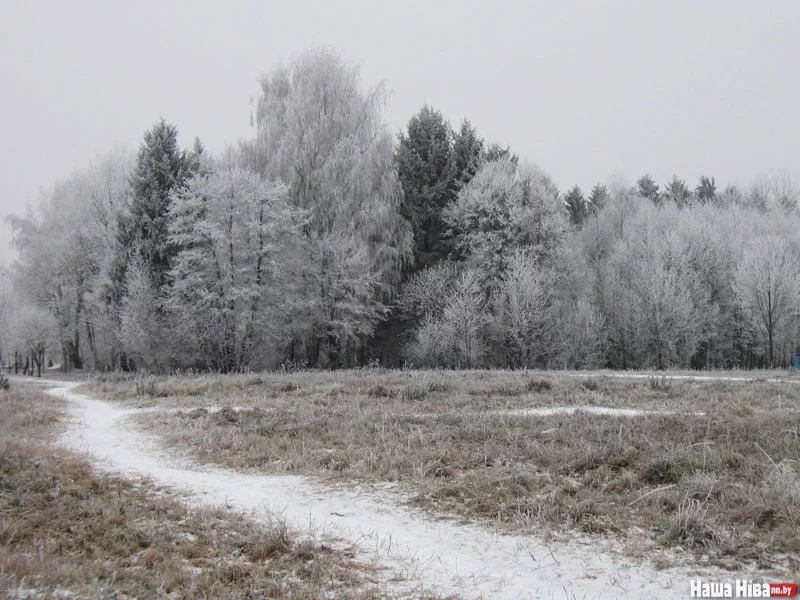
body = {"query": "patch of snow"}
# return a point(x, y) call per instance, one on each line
point(667, 376)
point(438, 554)
point(549, 411)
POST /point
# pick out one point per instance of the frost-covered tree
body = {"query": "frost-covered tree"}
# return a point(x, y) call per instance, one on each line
point(655, 313)
point(648, 188)
point(109, 184)
point(143, 325)
point(464, 321)
point(452, 325)
point(522, 319)
point(504, 208)
point(56, 259)
point(427, 292)
point(236, 271)
point(766, 287)
point(776, 192)
point(322, 136)
point(580, 341)
point(677, 192)
point(34, 330)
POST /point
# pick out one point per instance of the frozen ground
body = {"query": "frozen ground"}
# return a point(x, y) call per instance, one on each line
point(434, 554)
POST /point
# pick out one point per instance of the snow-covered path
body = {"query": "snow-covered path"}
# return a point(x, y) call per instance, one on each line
point(435, 554)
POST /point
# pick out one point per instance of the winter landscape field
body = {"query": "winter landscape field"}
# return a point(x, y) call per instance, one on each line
point(423, 300)
point(379, 483)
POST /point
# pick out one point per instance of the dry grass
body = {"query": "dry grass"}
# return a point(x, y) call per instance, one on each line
point(724, 486)
point(65, 530)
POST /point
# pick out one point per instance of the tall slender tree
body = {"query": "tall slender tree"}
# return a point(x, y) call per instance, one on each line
point(161, 167)
point(427, 172)
point(320, 135)
point(767, 287)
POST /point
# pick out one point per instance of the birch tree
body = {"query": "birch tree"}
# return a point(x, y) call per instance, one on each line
point(321, 136)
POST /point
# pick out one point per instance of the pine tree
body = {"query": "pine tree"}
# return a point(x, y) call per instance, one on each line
point(677, 191)
point(706, 190)
point(497, 152)
point(648, 188)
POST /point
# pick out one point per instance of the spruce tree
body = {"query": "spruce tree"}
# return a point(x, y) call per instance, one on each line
point(648, 188)
point(467, 151)
point(161, 167)
point(426, 171)
point(576, 207)
point(597, 198)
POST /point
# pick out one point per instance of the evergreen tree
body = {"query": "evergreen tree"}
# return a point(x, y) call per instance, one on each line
point(576, 206)
point(677, 191)
point(648, 188)
point(706, 191)
point(467, 150)
point(160, 168)
point(497, 152)
point(426, 171)
point(597, 198)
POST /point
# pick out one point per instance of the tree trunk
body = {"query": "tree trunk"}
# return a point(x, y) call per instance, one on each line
point(92, 344)
point(75, 346)
point(770, 333)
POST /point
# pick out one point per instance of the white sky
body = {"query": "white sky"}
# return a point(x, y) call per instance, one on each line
point(584, 89)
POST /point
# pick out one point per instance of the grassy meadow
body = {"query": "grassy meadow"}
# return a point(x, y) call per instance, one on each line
point(708, 473)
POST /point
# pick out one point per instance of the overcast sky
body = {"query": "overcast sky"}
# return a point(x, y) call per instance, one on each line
point(584, 89)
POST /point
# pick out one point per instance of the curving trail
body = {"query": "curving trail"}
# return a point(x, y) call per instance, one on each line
point(428, 554)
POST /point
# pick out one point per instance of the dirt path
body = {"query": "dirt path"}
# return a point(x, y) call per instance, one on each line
point(441, 555)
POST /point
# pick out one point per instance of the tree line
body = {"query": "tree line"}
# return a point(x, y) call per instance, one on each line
point(325, 241)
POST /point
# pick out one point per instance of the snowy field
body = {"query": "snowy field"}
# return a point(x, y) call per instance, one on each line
point(568, 498)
